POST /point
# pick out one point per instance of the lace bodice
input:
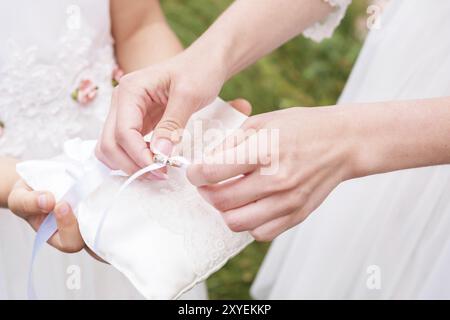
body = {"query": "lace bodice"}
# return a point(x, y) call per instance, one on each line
point(51, 48)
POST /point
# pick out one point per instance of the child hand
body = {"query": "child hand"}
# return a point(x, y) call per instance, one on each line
point(34, 206)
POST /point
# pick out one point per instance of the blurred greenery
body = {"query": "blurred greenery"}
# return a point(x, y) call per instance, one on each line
point(300, 73)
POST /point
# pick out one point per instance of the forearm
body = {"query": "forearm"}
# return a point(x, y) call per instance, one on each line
point(142, 35)
point(400, 135)
point(250, 29)
point(8, 178)
point(149, 45)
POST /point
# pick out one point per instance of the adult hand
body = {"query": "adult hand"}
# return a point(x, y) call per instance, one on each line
point(316, 151)
point(164, 96)
point(161, 97)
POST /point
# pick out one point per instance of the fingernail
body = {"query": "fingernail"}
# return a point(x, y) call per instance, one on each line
point(43, 201)
point(162, 146)
point(63, 209)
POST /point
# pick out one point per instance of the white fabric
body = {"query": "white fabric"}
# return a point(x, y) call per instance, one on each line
point(43, 56)
point(161, 234)
point(324, 29)
point(398, 222)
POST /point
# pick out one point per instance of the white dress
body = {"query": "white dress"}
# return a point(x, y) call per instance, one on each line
point(48, 46)
point(384, 236)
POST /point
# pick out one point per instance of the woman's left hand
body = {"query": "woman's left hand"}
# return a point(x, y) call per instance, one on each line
point(314, 153)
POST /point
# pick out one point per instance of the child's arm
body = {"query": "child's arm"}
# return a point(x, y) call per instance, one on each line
point(8, 177)
point(141, 34)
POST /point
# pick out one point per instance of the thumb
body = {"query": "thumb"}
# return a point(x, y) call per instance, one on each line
point(169, 130)
point(241, 105)
point(25, 202)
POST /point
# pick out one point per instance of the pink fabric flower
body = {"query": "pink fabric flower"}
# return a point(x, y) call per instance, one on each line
point(116, 75)
point(85, 93)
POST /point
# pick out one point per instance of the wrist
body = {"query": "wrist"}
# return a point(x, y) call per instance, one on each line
point(351, 147)
point(5, 202)
point(210, 58)
point(227, 47)
point(9, 179)
point(346, 142)
point(369, 152)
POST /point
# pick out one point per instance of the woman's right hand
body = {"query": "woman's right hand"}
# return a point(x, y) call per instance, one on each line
point(160, 98)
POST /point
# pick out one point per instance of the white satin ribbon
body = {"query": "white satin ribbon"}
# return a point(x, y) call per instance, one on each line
point(86, 181)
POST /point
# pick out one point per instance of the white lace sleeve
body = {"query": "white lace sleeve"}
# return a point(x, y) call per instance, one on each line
point(324, 29)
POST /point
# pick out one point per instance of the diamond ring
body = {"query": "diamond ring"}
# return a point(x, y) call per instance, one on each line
point(167, 161)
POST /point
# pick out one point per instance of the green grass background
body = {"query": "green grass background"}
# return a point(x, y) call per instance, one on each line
point(300, 73)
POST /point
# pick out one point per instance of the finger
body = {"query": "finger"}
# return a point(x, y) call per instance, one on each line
point(131, 111)
point(224, 165)
point(154, 96)
point(237, 192)
point(259, 212)
point(272, 229)
point(233, 140)
point(104, 150)
point(169, 129)
point(68, 237)
point(162, 97)
point(241, 105)
point(25, 202)
point(248, 130)
point(207, 174)
point(108, 151)
point(149, 125)
point(309, 202)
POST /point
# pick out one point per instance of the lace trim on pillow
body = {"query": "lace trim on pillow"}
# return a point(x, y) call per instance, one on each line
point(206, 237)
